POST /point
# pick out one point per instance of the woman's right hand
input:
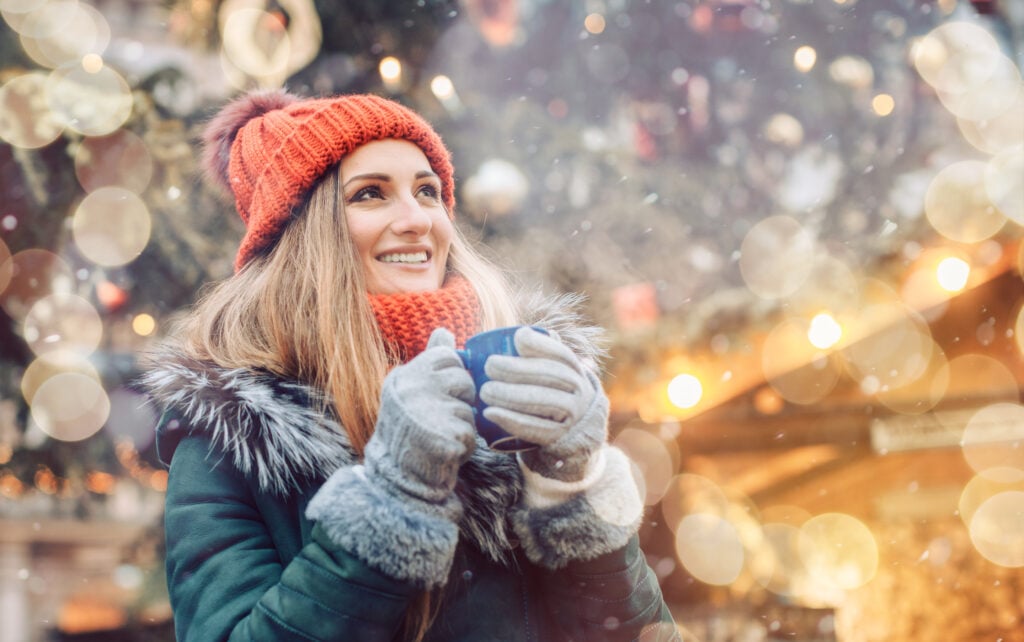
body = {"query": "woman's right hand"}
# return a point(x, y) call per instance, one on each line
point(424, 430)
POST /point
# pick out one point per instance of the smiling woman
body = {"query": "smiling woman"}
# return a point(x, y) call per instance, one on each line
point(397, 221)
point(326, 480)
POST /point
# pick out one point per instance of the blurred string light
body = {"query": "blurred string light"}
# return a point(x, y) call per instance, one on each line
point(444, 90)
point(883, 104)
point(143, 324)
point(111, 226)
point(804, 58)
point(390, 70)
point(952, 273)
point(685, 391)
point(824, 331)
point(594, 23)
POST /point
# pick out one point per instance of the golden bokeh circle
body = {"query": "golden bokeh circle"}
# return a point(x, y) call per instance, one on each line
point(25, 117)
point(63, 323)
point(70, 406)
point(53, 363)
point(838, 550)
point(90, 103)
point(776, 256)
point(957, 204)
point(997, 529)
point(111, 226)
point(1004, 182)
point(994, 437)
point(710, 549)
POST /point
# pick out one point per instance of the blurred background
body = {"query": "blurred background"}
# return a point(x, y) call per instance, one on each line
point(799, 220)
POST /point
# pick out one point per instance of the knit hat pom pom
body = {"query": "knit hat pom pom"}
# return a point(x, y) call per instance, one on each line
point(220, 131)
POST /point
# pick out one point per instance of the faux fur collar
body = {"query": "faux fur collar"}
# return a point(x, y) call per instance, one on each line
point(274, 431)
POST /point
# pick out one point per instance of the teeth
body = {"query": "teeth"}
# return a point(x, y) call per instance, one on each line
point(414, 257)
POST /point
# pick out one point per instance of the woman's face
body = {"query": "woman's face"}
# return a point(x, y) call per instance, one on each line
point(395, 215)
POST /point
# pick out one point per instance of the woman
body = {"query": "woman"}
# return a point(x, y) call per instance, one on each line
point(326, 481)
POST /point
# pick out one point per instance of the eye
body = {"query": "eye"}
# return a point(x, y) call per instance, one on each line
point(366, 193)
point(429, 191)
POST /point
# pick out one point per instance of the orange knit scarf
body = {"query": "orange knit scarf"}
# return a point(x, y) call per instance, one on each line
point(406, 319)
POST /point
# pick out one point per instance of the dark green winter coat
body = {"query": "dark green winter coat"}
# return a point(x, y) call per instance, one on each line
point(248, 451)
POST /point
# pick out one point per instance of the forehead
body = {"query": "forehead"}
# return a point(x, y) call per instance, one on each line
point(382, 155)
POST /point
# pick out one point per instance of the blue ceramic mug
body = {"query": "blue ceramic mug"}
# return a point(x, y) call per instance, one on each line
point(474, 356)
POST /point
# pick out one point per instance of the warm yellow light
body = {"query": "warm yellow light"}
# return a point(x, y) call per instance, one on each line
point(805, 57)
point(390, 69)
point(824, 331)
point(442, 87)
point(92, 63)
point(594, 23)
point(952, 274)
point(883, 104)
point(685, 391)
point(143, 325)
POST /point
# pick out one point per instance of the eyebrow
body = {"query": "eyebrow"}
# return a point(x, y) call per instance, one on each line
point(387, 178)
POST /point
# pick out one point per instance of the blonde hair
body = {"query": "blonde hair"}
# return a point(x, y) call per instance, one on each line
point(301, 311)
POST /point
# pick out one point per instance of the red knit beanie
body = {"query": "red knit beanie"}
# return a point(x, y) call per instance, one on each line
point(268, 148)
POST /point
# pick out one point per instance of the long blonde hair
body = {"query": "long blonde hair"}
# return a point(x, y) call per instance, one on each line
point(301, 311)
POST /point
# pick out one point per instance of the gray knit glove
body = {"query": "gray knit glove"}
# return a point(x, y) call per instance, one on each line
point(424, 429)
point(546, 396)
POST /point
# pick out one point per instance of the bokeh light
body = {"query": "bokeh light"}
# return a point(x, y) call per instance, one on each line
point(952, 273)
point(710, 549)
point(1002, 132)
point(390, 69)
point(111, 226)
point(838, 550)
point(143, 324)
point(994, 438)
point(53, 363)
point(26, 120)
point(685, 390)
point(957, 204)
point(883, 104)
point(63, 323)
point(978, 376)
point(775, 257)
point(1004, 182)
point(691, 493)
point(70, 406)
point(997, 529)
point(956, 56)
point(987, 484)
point(594, 23)
point(90, 103)
point(653, 459)
point(59, 33)
point(804, 58)
point(824, 331)
point(795, 369)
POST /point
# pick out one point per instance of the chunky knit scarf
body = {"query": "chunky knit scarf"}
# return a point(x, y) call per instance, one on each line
point(406, 319)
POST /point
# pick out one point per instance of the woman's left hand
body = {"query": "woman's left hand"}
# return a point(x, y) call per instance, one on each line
point(546, 396)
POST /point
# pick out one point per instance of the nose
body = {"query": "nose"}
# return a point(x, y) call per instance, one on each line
point(410, 218)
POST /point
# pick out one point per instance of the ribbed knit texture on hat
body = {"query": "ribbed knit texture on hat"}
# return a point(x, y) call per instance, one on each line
point(407, 319)
point(277, 155)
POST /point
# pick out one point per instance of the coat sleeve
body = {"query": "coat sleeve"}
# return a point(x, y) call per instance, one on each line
point(599, 586)
point(612, 598)
point(227, 581)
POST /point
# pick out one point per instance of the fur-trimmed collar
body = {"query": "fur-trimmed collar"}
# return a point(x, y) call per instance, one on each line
point(274, 430)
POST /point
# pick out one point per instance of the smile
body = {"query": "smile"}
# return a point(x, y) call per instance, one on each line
point(410, 258)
